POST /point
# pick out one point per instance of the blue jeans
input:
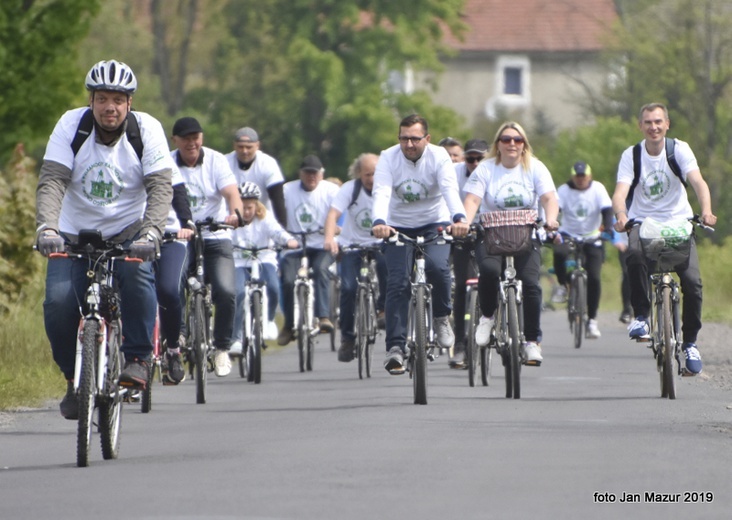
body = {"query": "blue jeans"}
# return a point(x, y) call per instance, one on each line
point(66, 284)
point(399, 261)
point(349, 270)
point(268, 273)
point(319, 261)
point(169, 275)
point(218, 266)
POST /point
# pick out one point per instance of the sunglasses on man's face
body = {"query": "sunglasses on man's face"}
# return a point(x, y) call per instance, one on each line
point(473, 158)
point(506, 139)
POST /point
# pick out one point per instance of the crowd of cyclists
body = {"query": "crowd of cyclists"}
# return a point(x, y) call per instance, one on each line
point(120, 177)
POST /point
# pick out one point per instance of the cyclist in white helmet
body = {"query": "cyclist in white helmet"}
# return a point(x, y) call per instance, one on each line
point(114, 177)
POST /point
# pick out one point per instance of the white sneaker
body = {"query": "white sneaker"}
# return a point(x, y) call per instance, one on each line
point(270, 330)
point(236, 349)
point(443, 332)
point(483, 331)
point(559, 294)
point(592, 331)
point(532, 354)
point(222, 363)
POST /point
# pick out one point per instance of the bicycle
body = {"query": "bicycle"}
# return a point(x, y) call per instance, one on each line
point(663, 254)
point(199, 311)
point(421, 344)
point(304, 306)
point(365, 312)
point(507, 233)
point(577, 297)
point(98, 359)
point(334, 301)
point(255, 317)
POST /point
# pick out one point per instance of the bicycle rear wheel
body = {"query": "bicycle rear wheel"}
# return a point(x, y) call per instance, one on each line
point(419, 376)
point(515, 342)
point(334, 310)
point(668, 382)
point(362, 339)
point(472, 350)
point(579, 297)
point(200, 347)
point(254, 347)
point(87, 390)
point(110, 409)
point(370, 331)
point(303, 328)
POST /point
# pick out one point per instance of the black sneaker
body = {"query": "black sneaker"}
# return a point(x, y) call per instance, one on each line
point(175, 371)
point(135, 374)
point(70, 403)
point(345, 351)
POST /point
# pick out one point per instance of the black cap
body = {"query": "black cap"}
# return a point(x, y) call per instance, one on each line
point(476, 146)
point(311, 162)
point(581, 168)
point(187, 126)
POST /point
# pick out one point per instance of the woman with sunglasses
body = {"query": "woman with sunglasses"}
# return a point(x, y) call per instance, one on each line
point(511, 178)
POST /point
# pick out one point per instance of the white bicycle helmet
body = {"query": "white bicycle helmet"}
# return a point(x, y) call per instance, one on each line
point(249, 190)
point(111, 75)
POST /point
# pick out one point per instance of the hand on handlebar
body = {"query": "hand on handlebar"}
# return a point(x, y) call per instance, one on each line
point(233, 220)
point(458, 229)
point(382, 231)
point(145, 248)
point(50, 242)
point(185, 234)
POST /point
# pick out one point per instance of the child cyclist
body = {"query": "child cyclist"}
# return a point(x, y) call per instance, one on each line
point(260, 229)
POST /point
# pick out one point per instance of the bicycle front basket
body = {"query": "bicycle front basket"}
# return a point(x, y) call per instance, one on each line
point(666, 245)
point(508, 232)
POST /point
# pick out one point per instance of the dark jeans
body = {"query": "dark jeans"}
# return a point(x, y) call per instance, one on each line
point(463, 268)
point(399, 262)
point(218, 266)
point(625, 283)
point(169, 276)
point(594, 257)
point(349, 270)
point(268, 274)
point(319, 261)
point(528, 267)
point(66, 283)
point(691, 287)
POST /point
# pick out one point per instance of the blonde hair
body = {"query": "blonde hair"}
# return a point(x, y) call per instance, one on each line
point(526, 153)
point(334, 180)
point(261, 210)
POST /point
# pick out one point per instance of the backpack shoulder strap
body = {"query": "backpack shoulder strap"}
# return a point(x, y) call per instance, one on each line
point(636, 174)
point(671, 159)
point(357, 185)
point(86, 124)
point(133, 134)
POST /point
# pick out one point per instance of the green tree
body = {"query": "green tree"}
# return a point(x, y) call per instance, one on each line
point(38, 40)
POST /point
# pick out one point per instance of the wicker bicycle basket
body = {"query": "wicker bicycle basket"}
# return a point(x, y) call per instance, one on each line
point(666, 246)
point(508, 232)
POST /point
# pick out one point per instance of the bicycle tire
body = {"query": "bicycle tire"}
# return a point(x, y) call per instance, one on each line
point(371, 331)
point(361, 330)
point(486, 359)
point(110, 409)
point(580, 298)
point(515, 342)
point(419, 377)
point(668, 388)
point(303, 329)
point(334, 303)
point(200, 347)
point(472, 350)
point(86, 391)
point(254, 348)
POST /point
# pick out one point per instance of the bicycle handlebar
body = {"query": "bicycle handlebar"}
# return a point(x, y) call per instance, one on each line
point(696, 220)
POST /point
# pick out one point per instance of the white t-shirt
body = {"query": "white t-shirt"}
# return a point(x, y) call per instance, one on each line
point(503, 188)
point(461, 171)
point(357, 224)
point(659, 191)
point(411, 195)
point(106, 190)
point(259, 233)
point(582, 210)
point(307, 210)
point(204, 183)
point(264, 172)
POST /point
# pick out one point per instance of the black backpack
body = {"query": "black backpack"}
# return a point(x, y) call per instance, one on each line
point(357, 185)
point(670, 157)
point(86, 125)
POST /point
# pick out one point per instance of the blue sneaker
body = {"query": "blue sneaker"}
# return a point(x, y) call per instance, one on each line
point(639, 329)
point(693, 359)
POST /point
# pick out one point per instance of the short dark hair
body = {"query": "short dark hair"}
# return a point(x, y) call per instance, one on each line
point(414, 119)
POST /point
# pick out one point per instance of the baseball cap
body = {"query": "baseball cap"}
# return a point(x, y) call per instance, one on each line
point(186, 126)
point(581, 168)
point(476, 146)
point(311, 162)
point(246, 134)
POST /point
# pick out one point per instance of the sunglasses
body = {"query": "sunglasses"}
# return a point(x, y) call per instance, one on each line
point(506, 139)
point(473, 159)
point(414, 140)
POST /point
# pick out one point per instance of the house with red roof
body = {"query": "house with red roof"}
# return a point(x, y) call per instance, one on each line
point(527, 60)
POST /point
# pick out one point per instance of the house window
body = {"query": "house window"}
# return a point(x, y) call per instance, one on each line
point(512, 81)
point(512, 88)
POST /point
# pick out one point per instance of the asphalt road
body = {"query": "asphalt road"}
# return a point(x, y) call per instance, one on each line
point(590, 427)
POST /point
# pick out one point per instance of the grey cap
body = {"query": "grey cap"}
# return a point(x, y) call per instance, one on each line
point(246, 134)
point(476, 146)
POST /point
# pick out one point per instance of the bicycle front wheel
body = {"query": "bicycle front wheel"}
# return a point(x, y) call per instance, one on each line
point(362, 333)
point(303, 327)
point(472, 349)
point(200, 347)
point(334, 311)
point(668, 382)
point(254, 347)
point(579, 297)
point(87, 390)
point(515, 342)
point(419, 366)
point(110, 409)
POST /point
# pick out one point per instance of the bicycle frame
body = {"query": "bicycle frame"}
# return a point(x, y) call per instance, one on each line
point(304, 315)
